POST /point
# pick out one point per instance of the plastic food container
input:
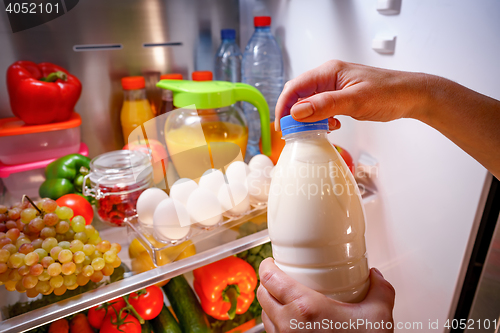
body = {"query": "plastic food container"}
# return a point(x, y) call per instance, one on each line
point(26, 178)
point(20, 143)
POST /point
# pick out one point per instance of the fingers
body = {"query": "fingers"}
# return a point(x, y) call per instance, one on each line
point(268, 302)
point(282, 287)
point(381, 293)
point(268, 324)
point(333, 124)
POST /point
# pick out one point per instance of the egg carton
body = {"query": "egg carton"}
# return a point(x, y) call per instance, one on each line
point(158, 247)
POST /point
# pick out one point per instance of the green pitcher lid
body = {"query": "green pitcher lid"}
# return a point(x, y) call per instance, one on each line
point(218, 94)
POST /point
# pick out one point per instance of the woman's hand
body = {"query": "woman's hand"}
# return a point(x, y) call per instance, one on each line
point(288, 305)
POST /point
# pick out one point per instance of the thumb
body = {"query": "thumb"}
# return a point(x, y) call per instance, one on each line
point(323, 105)
point(381, 292)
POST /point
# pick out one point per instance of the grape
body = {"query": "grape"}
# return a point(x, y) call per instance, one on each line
point(76, 246)
point(87, 270)
point(28, 214)
point(20, 225)
point(98, 264)
point(64, 213)
point(26, 248)
point(78, 257)
point(10, 285)
point(60, 238)
point(14, 275)
point(30, 281)
point(82, 279)
point(23, 270)
point(62, 227)
point(13, 234)
point(95, 241)
point(4, 242)
point(96, 254)
point(108, 270)
point(56, 281)
point(4, 255)
point(78, 269)
point(31, 259)
point(4, 277)
point(32, 293)
point(49, 243)
point(88, 249)
point(103, 246)
point(48, 232)
point(14, 213)
point(11, 248)
point(61, 290)
point(44, 276)
point(70, 235)
point(49, 205)
point(69, 280)
point(54, 253)
point(42, 286)
point(97, 276)
point(3, 267)
point(3, 209)
point(22, 240)
point(87, 261)
point(82, 237)
point(36, 225)
point(41, 253)
point(10, 224)
point(68, 268)
point(109, 256)
point(73, 287)
point(19, 287)
point(36, 269)
point(89, 230)
point(2, 234)
point(37, 243)
point(26, 229)
point(54, 269)
point(16, 260)
point(50, 219)
point(47, 261)
point(65, 256)
point(115, 247)
point(64, 245)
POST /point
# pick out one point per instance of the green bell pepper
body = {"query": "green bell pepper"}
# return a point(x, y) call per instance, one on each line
point(64, 176)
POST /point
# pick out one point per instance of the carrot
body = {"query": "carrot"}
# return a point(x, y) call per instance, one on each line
point(80, 324)
point(243, 327)
point(59, 326)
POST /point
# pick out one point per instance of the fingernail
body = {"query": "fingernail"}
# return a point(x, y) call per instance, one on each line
point(302, 110)
point(377, 271)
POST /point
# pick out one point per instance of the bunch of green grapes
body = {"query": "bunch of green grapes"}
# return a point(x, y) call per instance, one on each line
point(45, 249)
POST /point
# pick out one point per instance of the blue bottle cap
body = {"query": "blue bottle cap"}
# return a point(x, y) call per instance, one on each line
point(290, 125)
point(228, 34)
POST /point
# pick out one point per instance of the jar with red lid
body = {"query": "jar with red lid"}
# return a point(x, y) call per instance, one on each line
point(116, 180)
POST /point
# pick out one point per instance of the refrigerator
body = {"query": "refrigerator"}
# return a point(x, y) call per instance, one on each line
point(430, 227)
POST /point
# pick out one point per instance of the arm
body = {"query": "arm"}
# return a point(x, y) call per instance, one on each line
point(469, 119)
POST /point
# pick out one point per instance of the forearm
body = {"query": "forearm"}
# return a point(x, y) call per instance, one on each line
point(469, 119)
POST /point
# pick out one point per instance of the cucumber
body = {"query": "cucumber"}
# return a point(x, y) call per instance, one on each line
point(165, 322)
point(187, 308)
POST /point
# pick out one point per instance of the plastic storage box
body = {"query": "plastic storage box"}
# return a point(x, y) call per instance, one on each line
point(20, 143)
point(26, 178)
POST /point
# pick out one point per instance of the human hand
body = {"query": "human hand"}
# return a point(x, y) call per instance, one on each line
point(286, 303)
point(362, 92)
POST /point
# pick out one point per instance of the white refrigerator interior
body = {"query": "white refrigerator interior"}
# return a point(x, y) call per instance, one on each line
point(429, 190)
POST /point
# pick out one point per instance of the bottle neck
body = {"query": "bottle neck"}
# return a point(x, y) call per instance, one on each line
point(307, 135)
point(228, 40)
point(134, 95)
point(263, 29)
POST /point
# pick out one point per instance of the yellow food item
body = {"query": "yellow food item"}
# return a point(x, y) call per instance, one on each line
point(190, 154)
point(134, 113)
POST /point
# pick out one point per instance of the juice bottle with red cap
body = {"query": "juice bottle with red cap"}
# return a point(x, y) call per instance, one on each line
point(136, 109)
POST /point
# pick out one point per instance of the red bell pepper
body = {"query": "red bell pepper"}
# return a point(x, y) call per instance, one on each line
point(43, 93)
point(225, 287)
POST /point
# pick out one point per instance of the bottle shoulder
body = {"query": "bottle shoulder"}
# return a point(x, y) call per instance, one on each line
point(262, 40)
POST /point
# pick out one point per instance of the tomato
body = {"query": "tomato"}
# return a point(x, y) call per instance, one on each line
point(126, 324)
point(346, 157)
point(79, 205)
point(97, 314)
point(148, 303)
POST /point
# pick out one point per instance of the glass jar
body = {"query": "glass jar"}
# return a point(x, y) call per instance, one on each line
point(198, 140)
point(116, 180)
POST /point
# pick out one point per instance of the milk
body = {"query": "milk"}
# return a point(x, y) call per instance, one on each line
point(316, 218)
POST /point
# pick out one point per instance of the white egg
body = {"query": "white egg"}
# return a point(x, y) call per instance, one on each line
point(171, 220)
point(182, 188)
point(260, 162)
point(147, 203)
point(204, 207)
point(234, 198)
point(212, 180)
point(258, 185)
point(237, 172)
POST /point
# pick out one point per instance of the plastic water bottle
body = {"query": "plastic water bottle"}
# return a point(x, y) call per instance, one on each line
point(315, 215)
point(228, 58)
point(263, 69)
